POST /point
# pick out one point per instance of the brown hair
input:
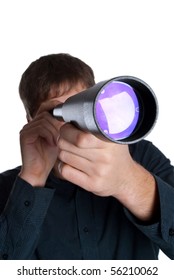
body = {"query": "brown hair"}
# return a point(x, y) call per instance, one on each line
point(48, 70)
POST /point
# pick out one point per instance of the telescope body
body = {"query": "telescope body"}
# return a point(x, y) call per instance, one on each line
point(123, 109)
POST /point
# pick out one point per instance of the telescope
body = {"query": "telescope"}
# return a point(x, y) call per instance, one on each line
point(123, 110)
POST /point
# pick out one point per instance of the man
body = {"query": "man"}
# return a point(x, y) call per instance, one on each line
point(76, 196)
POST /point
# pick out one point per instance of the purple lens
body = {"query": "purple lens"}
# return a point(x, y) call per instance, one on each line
point(116, 110)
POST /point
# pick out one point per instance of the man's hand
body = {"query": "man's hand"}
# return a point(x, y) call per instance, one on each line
point(91, 163)
point(39, 147)
point(106, 169)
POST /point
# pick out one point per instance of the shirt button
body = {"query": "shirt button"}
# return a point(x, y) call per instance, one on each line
point(171, 231)
point(86, 230)
point(27, 203)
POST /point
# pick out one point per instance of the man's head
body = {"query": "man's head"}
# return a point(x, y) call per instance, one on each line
point(62, 71)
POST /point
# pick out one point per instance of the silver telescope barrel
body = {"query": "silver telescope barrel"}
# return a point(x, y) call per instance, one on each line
point(123, 109)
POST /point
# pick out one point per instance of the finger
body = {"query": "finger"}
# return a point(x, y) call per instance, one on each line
point(40, 128)
point(30, 136)
point(87, 153)
point(45, 116)
point(79, 138)
point(48, 105)
point(76, 161)
point(74, 175)
point(53, 121)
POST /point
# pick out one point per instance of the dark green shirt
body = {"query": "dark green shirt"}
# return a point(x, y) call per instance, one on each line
point(63, 221)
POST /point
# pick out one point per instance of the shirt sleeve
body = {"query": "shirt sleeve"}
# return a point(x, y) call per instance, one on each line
point(161, 232)
point(21, 220)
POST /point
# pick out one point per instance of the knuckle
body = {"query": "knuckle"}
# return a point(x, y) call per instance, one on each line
point(95, 184)
point(61, 142)
point(101, 172)
point(22, 131)
point(65, 171)
point(21, 135)
point(106, 158)
point(83, 139)
point(62, 156)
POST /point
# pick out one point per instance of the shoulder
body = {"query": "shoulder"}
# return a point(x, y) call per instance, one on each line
point(144, 148)
point(149, 156)
point(9, 175)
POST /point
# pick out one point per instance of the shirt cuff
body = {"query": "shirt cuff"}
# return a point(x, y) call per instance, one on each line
point(22, 219)
point(27, 200)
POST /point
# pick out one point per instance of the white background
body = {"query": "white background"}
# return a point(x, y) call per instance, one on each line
point(115, 37)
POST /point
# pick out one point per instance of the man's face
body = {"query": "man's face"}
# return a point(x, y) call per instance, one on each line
point(60, 95)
